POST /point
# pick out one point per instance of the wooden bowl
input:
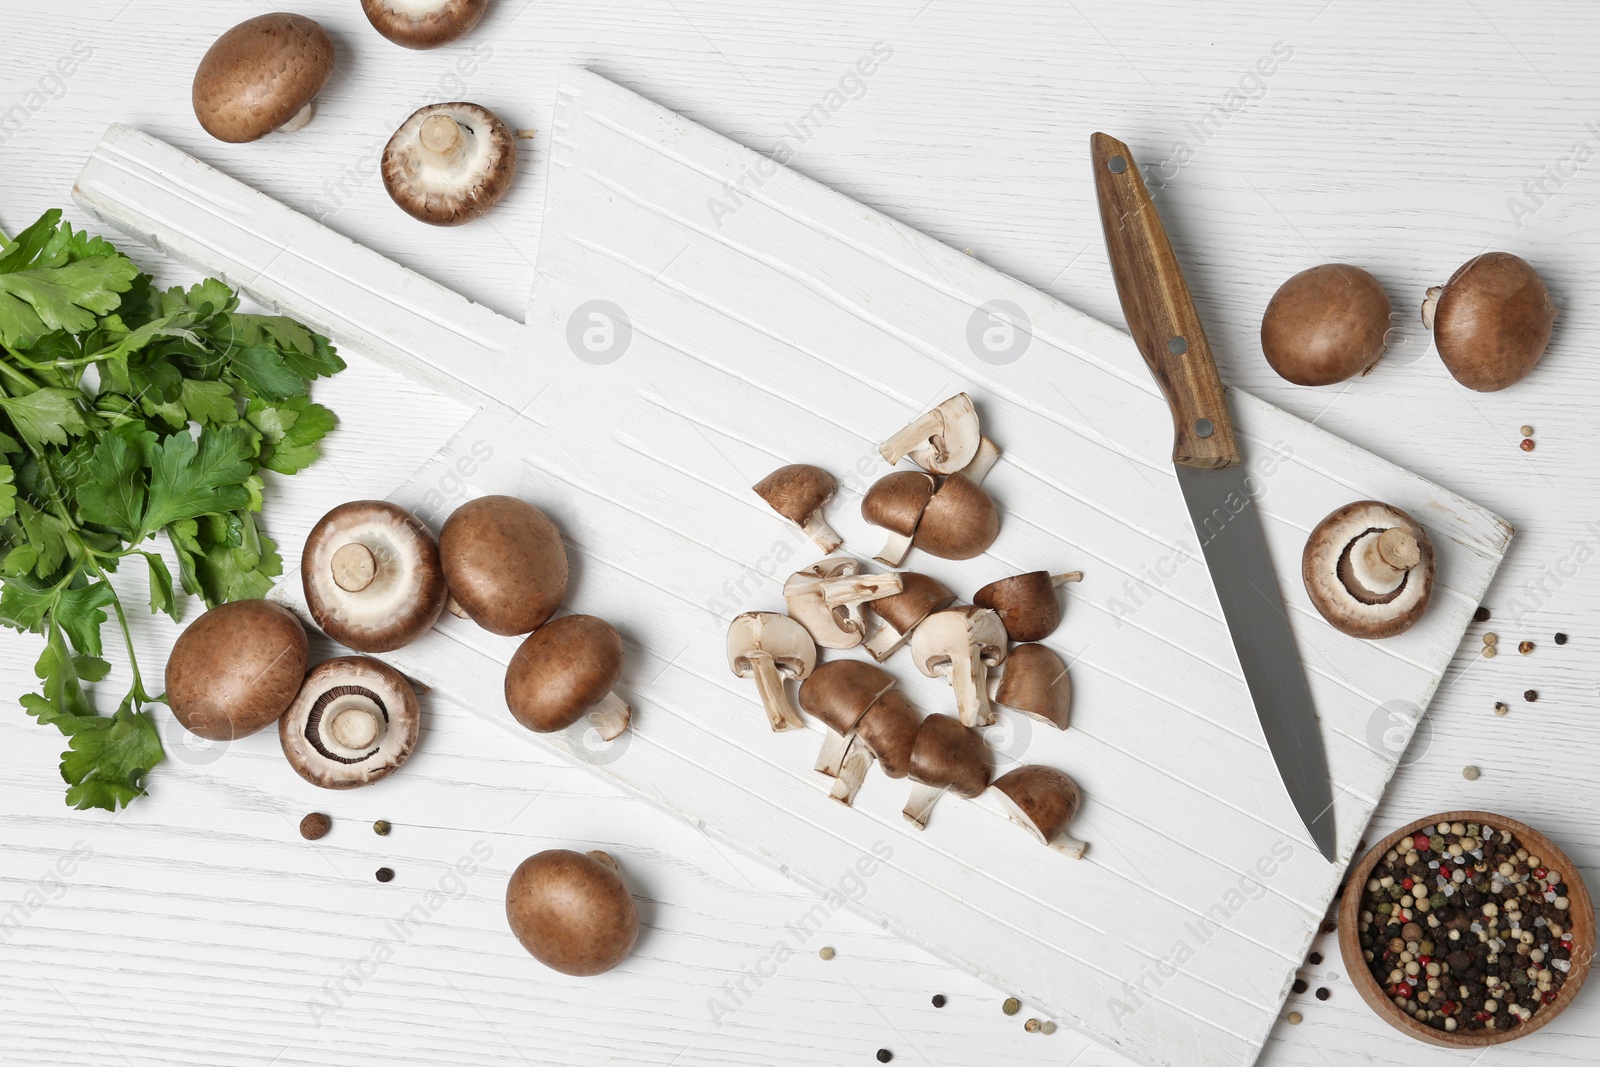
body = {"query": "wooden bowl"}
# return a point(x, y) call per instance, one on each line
point(1581, 913)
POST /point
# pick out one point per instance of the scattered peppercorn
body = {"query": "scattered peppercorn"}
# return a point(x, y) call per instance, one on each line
point(385, 874)
point(381, 828)
point(1527, 431)
point(1525, 647)
point(884, 1055)
point(1481, 615)
point(1323, 993)
point(1011, 1006)
point(1501, 707)
point(1527, 444)
point(1048, 1027)
point(1470, 773)
point(1299, 985)
point(1489, 652)
point(938, 1000)
point(1491, 639)
point(1530, 695)
point(1032, 1026)
point(1314, 959)
point(315, 826)
point(826, 952)
point(1295, 1018)
point(1561, 639)
point(1329, 926)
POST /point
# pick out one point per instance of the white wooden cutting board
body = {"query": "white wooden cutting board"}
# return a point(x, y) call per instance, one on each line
point(702, 316)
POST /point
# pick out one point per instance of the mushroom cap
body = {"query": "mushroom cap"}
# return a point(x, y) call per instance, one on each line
point(424, 23)
point(259, 74)
point(505, 563)
point(919, 597)
point(561, 671)
point(1036, 683)
point(1492, 321)
point(949, 755)
point(896, 501)
point(1026, 603)
point(960, 522)
point(391, 602)
point(236, 669)
point(1041, 799)
point(572, 912)
point(786, 641)
point(797, 491)
point(840, 692)
point(960, 627)
point(450, 186)
point(889, 729)
point(1326, 567)
point(354, 720)
point(1325, 324)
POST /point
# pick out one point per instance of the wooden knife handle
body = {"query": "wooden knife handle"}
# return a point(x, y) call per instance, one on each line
point(1160, 313)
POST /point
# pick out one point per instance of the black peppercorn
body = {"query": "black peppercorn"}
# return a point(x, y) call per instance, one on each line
point(884, 1055)
point(1323, 993)
point(938, 1000)
point(1299, 985)
point(1481, 615)
point(385, 874)
point(1314, 959)
point(1561, 639)
point(1530, 695)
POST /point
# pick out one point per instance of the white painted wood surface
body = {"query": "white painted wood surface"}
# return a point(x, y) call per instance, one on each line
point(961, 151)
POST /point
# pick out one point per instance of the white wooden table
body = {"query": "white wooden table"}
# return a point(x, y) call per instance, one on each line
point(200, 929)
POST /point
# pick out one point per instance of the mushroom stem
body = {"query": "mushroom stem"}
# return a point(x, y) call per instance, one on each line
point(297, 121)
point(988, 455)
point(769, 683)
point(1430, 304)
point(969, 678)
point(354, 727)
point(831, 756)
point(604, 859)
point(919, 805)
point(894, 549)
point(453, 606)
point(817, 528)
point(1058, 580)
point(852, 772)
point(843, 592)
point(353, 567)
point(610, 717)
point(885, 642)
point(440, 136)
point(1382, 560)
point(1070, 846)
point(915, 434)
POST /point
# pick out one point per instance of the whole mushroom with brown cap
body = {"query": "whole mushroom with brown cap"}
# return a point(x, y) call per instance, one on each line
point(826, 599)
point(896, 502)
point(1326, 324)
point(236, 669)
point(449, 163)
point(261, 76)
point(505, 564)
point(942, 440)
point(1026, 603)
point(960, 645)
point(885, 734)
point(1491, 321)
point(372, 576)
point(900, 614)
point(771, 647)
point(572, 912)
point(424, 23)
point(799, 492)
point(566, 670)
point(354, 720)
point(1036, 683)
point(1043, 801)
point(838, 694)
point(960, 522)
point(945, 757)
point(1368, 568)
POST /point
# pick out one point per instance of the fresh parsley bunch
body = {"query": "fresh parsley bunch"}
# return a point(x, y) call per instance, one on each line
point(126, 412)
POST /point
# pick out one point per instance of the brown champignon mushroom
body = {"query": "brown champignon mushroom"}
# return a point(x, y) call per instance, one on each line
point(261, 76)
point(235, 669)
point(1326, 324)
point(799, 492)
point(983, 461)
point(566, 670)
point(372, 576)
point(960, 645)
point(826, 599)
point(960, 522)
point(1026, 603)
point(1036, 683)
point(572, 912)
point(896, 502)
point(838, 694)
point(1043, 801)
point(505, 564)
point(1368, 568)
point(772, 647)
point(424, 23)
point(887, 733)
point(1491, 321)
point(354, 720)
point(919, 597)
point(449, 163)
point(946, 756)
point(942, 440)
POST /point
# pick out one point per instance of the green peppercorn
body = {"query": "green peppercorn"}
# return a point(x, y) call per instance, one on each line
point(1011, 1006)
point(381, 828)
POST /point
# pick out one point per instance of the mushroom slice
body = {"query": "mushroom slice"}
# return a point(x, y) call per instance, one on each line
point(946, 756)
point(983, 461)
point(261, 76)
point(505, 564)
point(772, 647)
point(354, 720)
point(799, 492)
point(449, 163)
point(826, 599)
point(918, 598)
point(372, 576)
point(1026, 603)
point(1036, 683)
point(566, 670)
point(839, 694)
point(960, 645)
point(1368, 568)
point(424, 23)
point(1043, 801)
point(572, 912)
point(942, 440)
point(960, 522)
point(896, 502)
point(887, 734)
point(235, 669)
point(1491, 321)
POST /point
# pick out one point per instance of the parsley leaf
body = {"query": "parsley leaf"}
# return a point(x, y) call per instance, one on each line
point(190, 478)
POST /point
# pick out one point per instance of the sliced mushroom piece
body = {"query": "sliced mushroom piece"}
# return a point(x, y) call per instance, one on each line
point(1026, 603)
point(1491, 321)
point(372, 576)
point(838, 694)
point(565, 671)
point(942, 440)
point(946, 757)
point(896, 502)
point(1043, 801)
point(236, 669)
point(960, 522)
point(919, 597)
point(960, 645)
point(449, 163)
point(424, 23)
point(354, 720)
point(1036, 683)
point(1368, 568)
point(799, 492)
point(826, 599)
point(572, 912)
point(261, 76)
point(505, 563)
point(772, 647)
point(983, 461)
point(886, 734)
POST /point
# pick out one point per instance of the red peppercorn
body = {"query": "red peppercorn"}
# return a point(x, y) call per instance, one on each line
point(1540, 873)
point(1527, 444)
point(1408, 883)
point(1424, 960)
point(1421, 841)
point(1481, 1016)
point(1448, 1007)
point(1550, 997)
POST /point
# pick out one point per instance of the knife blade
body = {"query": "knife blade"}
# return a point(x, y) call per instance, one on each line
point(1213, 479)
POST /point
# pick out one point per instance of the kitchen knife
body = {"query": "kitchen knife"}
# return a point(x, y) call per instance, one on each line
point(1211, 474)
